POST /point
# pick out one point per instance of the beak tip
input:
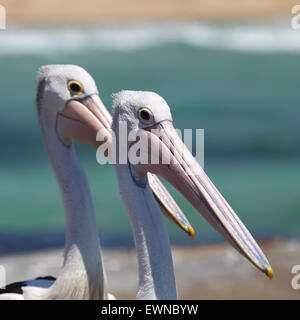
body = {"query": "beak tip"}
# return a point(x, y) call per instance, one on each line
point(191, 231)
point(269, 272)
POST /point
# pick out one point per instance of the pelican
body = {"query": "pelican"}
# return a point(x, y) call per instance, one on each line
point(69, 107)
point(82, 274)
point(148, 114)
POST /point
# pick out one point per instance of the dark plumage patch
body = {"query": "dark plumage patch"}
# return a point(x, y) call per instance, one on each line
point(39, 93)
point(50, 278)
point(16, 287)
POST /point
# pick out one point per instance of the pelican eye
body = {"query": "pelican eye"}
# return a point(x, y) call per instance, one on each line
point(145, 115)
point(75, 87)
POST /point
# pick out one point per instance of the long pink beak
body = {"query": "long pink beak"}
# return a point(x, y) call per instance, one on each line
point(178, 166)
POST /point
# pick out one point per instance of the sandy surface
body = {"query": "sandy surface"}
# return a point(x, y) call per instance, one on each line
point(204, 272)
point(70, 11)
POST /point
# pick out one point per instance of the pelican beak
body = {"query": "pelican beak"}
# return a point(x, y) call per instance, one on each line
point(82, 119)
point(86, 118)
point(168, 206)
point(178, 166)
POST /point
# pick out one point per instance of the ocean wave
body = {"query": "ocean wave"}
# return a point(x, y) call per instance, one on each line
point(244, 37)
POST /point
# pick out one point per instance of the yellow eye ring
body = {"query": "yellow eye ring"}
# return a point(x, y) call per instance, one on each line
point(75, 87)
point(145, 115)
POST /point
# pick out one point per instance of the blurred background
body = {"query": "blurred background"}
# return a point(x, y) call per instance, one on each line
point(229, 67)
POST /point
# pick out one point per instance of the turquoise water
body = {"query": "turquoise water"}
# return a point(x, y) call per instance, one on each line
point(246, 100)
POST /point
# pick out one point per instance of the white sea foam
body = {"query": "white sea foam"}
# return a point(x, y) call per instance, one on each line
point(245, 37)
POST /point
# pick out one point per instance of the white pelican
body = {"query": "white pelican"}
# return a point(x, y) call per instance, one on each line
point(69, 107)
point(144, 111)
point(82, 275)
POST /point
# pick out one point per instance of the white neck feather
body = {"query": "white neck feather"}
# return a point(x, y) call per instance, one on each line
point(82, 274)
point(156, 274)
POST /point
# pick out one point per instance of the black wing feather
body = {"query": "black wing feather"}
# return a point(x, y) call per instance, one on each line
point(16, 287)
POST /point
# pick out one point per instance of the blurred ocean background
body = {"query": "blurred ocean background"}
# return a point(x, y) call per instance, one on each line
point(239, 81)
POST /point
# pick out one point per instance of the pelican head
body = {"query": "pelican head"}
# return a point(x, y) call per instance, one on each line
point(149, 113)
point(73, 103)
